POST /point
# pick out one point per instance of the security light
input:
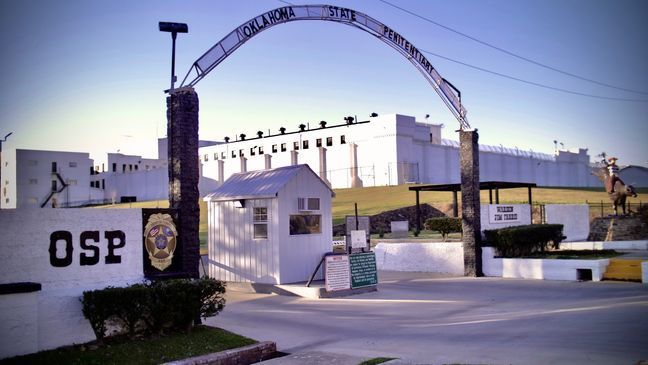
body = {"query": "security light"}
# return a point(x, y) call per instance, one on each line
point(174, 29)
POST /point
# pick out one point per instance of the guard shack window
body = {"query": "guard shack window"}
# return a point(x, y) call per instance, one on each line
point(305, 224)
point(260, 220)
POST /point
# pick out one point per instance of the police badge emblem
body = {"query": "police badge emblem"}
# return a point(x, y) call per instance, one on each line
point(160, 237)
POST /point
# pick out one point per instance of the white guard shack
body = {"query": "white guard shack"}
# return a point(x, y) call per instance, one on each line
point(269, 226)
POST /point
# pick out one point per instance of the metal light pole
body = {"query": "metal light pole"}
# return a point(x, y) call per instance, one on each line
point(1, 183)
point(174, 29)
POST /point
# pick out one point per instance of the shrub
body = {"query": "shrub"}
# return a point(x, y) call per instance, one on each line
point(443, 225)
point(155, 307)
point(520, 241)
point(97, 308)
point(129, 304)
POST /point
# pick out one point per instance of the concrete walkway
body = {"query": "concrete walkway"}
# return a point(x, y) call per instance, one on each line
point(426, 318)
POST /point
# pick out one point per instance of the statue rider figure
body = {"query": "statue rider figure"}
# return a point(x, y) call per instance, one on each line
point(613, 174)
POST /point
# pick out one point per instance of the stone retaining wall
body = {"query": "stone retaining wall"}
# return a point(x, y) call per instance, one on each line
point(618, 229)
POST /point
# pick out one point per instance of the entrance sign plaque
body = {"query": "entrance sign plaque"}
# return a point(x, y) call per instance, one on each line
point(499, 213)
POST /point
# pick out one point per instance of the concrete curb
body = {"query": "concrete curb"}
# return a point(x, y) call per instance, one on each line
point(241, 356)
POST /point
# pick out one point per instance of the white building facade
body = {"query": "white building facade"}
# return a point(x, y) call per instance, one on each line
point(389, 150)
point(40, 179)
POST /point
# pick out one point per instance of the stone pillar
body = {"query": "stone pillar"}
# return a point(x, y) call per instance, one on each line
point(294, 159)
point(322, 165)
point(243, 164)
point(221, 172)
point(268, 162)
point(356, 182)
point(470, 205)
point(182, 132)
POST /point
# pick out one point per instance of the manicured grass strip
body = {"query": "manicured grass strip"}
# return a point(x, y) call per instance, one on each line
point(575, 254)
point(377, 360)
point(202, 340)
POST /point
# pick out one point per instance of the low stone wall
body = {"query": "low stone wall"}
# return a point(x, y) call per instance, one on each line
point(438, 257)
point(251, 354)
point(618, 229)
point(543, 269)
point(382, 221)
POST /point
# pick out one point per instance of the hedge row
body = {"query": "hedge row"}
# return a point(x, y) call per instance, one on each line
point(519, 241)
point(443, 225)
point(153, 307)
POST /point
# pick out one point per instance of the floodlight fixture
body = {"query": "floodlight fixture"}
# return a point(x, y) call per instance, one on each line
point(174, 29)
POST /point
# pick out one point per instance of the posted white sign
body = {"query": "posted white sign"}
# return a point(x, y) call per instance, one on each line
point(358, 239)
point(337, 275)
point(500, 213)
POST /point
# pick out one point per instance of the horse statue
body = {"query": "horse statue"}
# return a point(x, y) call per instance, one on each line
point(621, 190)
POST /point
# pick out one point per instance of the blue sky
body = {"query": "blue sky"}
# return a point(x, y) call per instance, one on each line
point(88, 75)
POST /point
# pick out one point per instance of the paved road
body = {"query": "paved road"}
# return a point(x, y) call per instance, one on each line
point(429, 319)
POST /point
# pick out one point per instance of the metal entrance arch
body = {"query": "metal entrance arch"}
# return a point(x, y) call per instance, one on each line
point(450, 95)
point(182, 115)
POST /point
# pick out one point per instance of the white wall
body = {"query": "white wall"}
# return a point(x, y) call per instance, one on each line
point(145, 185)
point(439, 257)
point(300, 254)
point(543, 269)
point(19, 324)
point(234, 254)
point(25, 257)
point(574, 218)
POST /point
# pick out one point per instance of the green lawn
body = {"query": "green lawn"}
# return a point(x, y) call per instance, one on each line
point(202, 340)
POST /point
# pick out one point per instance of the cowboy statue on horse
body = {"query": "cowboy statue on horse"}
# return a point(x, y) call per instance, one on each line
point(612, 174)
point(617, 190)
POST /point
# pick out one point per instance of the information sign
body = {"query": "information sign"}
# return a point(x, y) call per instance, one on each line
point(363, 270)
point(337, 275)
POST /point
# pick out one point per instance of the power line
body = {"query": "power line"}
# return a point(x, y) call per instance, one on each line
point(511, 53)
point(532, 82)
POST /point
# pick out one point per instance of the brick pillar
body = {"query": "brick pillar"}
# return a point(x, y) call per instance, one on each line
point(470, 207)
point(182, 132)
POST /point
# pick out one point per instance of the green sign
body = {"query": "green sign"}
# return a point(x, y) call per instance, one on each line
point(363, 270)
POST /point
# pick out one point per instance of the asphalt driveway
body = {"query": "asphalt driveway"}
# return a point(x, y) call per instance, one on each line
point(428, 318)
